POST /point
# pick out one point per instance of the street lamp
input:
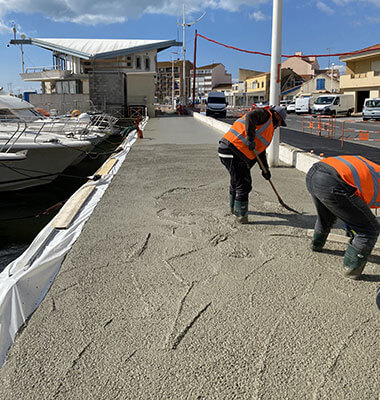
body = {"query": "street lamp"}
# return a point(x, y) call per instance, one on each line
point(184, 25)
point(275, 76)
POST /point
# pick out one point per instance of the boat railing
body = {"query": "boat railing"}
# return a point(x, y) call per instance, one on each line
point(13, 134)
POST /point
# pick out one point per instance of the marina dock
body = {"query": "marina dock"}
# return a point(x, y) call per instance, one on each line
point(165, 296)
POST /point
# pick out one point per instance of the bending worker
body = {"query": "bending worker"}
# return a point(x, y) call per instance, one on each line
point(248, 136)
point(346, 187)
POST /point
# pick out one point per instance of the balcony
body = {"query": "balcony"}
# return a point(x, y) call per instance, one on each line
point(44, 74)
point(364, 80)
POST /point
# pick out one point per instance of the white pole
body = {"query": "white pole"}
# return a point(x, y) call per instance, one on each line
point(184, 58)
point(172, 82)
point(275, 76)
point(332, 76)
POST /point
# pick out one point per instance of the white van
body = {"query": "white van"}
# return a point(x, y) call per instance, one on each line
point(302, 105)
point(334, 104)
point(371, 109)
point(216, 104)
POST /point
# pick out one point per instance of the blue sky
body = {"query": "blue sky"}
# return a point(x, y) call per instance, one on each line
point(313, 26)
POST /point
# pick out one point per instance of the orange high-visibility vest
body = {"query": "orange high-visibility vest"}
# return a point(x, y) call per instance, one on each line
point(360, 173)
point(237, 135)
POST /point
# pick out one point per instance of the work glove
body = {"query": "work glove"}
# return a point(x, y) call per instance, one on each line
point(266, 175)
point(251, 145)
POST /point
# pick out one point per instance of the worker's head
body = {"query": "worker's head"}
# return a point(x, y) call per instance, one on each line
point(280, 114)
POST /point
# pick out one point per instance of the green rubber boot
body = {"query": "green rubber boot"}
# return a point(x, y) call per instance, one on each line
point(232, 203)
point(354, 262)
point(241, 211)
point(319, 240)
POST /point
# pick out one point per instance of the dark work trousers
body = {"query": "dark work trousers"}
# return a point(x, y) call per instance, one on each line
point(240, 173)
point(333, 199)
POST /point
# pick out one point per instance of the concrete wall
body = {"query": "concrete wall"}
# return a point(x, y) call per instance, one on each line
point(140, 90)
point(63, 103)
point(219, 76)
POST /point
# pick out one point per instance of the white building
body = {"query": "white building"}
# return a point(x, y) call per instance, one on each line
point(110, 74)
point(209, 76)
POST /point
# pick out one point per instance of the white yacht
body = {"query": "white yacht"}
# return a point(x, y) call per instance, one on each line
point(31, 154)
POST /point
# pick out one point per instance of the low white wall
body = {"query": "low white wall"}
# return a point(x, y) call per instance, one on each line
point(287, 154)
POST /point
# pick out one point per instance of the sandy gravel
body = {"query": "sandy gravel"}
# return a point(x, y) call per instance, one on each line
point(164, 296)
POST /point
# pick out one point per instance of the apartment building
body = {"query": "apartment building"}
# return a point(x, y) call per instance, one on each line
point(169, 80)
point(208, 77)
point(362, 78)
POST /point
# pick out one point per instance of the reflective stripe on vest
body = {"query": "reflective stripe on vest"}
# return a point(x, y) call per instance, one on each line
point(237, 135)
point(355, 172)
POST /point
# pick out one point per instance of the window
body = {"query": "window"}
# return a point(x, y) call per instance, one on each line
point(147, 63)
point(320, 84)
point(336, 101)
point(262, 84)
point(138, 62)
point(69, 87)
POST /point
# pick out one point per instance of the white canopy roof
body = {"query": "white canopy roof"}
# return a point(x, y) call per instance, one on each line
point(101, 48)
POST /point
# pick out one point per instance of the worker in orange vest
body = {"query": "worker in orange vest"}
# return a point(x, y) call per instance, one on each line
point(346, 187)
point(249, 135)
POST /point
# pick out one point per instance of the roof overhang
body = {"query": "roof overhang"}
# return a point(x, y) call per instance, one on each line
point(360, 55)
point(76, 50)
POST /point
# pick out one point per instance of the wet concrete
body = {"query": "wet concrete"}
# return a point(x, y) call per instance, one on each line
point(164, 296)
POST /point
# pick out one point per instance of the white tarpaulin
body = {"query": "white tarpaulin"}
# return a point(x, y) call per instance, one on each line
point(25, 281)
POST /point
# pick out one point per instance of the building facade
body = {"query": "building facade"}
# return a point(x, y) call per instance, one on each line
point(169, 80)
point(209, 76)
point(306, 67)
point(362, 78)
point(108, 75)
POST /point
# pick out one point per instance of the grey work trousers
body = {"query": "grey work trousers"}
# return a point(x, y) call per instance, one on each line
point(334, 198)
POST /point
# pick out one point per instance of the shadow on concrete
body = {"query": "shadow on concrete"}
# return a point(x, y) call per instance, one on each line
point(298, 221)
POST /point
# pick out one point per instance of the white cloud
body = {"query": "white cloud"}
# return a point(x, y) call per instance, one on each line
point(258, 16)
point(376, 20)
point(92, 12)
point(325, 8)
point(344, 2)
point(5, 28)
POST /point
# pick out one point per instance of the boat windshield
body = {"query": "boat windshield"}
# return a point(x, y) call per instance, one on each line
point(373, 103)
point(324, 100)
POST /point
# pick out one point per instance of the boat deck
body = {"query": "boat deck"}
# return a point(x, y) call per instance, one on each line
point(164, 296)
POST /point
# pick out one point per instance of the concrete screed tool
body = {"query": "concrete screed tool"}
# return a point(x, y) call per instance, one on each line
point(274, 189)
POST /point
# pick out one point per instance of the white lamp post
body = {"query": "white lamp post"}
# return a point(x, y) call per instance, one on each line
point(275, 76)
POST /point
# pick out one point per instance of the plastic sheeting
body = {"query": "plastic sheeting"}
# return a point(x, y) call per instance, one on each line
point(25, 281)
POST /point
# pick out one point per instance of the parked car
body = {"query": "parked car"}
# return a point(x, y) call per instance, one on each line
point(371, 109)
point(291, 107)
point(284, 103)
point(216, 104)
point(334, 104)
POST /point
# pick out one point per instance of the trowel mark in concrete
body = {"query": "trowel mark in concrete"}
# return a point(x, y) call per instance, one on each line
point(172, 190)
point(344, 344)
point(176, 274)
point(182, 302)
point(263, 359)
point(180, 337)
point(136, 284)
point(73, 364)
point(257, 268)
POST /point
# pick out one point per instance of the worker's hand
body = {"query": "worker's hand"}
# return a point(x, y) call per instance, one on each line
point(251, 145)
point(266, 175)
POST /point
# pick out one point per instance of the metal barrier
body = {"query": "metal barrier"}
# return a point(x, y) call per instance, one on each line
point(319, 124)
point(360, 134)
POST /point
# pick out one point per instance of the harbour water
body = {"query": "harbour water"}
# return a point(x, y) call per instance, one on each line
point(24, 213)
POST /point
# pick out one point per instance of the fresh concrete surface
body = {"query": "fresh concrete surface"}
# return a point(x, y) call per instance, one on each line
point(164, 296)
